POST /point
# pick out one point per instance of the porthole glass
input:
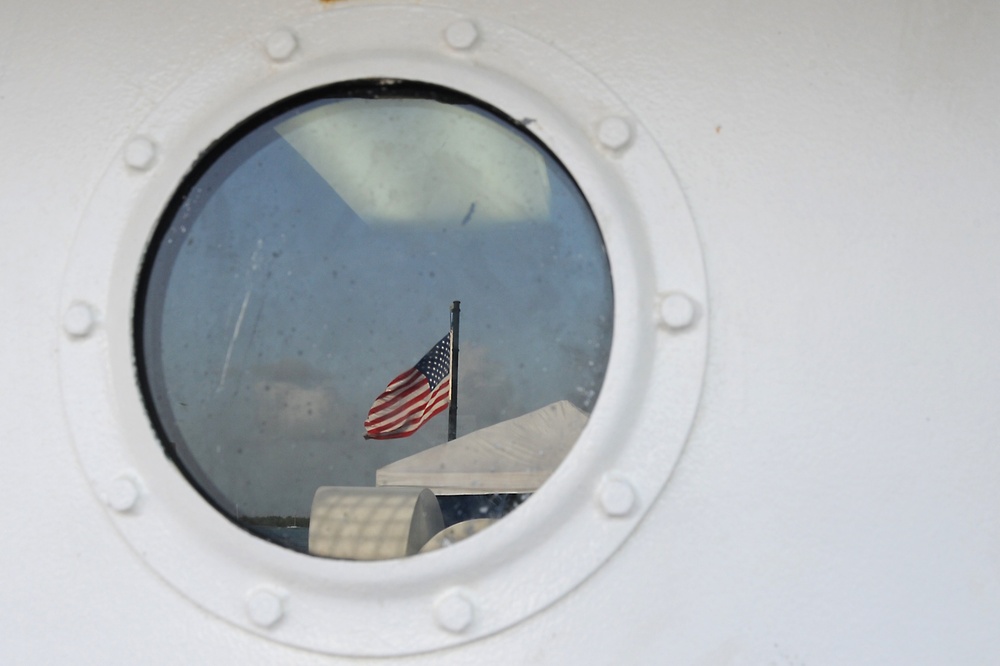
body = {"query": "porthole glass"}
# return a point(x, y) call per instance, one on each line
point(373, 320)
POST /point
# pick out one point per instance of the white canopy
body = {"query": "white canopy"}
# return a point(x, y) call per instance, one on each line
point(514, 456)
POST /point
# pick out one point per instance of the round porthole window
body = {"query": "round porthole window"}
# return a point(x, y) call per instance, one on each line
point(271, 265)
point(373, 320)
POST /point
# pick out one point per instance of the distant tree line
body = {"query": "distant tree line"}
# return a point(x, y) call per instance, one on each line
point(276, 521)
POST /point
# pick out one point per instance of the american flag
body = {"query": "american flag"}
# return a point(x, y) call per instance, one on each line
point(412, 398)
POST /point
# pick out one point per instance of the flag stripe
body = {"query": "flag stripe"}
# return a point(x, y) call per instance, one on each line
point(397, 421)
point(420, 405)
point(411, 426)
point(412, 401)
point(407, 424)
point(394, 415)
point(403, 394)
point(394, 411)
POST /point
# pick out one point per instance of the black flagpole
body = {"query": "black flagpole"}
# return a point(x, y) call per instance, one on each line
point(453, 398)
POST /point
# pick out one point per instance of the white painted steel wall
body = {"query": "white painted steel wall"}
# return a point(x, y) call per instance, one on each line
point(837, 501)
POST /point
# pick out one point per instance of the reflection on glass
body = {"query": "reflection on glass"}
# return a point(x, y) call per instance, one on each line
point(312, 257)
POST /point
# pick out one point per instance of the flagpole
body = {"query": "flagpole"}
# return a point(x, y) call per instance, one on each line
point(453, 398)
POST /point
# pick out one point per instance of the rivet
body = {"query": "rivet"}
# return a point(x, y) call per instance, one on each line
point(78, 320)
point(140, 153)
point(461, 35)
point(677, 311)
point(616, 497)
point(614, 133)
point(454, 612)
point(122, 494)
point(280, 45)
point(264, 607)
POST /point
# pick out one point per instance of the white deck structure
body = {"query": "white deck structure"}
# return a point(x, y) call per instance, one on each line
point(514, 456)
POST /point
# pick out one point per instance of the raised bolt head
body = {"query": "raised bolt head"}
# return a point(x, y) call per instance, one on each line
point(616, 497)
point(461, 35)
point(677, 311)
point(140, 153)
point(454, 612)
point(122, 494)
point(280, 45)
point(614, 133)
point(78, 320)
point(264, 608)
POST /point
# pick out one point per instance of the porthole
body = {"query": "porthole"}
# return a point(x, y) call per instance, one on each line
point(507, 570)
point(373, 319)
